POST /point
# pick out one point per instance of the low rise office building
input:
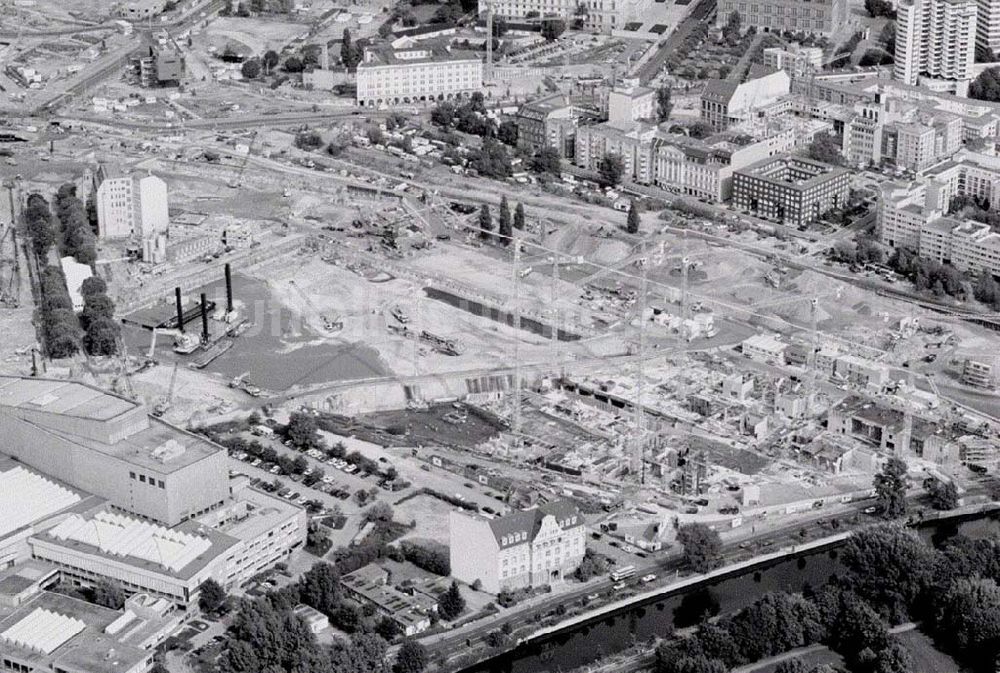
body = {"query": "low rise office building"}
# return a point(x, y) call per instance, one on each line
point(790, 190)
point(422, 72)
point(822, 17)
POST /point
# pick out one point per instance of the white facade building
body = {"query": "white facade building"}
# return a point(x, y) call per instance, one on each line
point(597, 15)
point(415, 74)
point(525, 548)
point(988, 26)
point(936, 43)
point(131, 206)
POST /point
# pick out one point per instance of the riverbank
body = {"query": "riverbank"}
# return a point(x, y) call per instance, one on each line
point(589, 638)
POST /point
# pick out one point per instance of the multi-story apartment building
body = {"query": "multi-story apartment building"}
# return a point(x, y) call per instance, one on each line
point(633, 142)
point(158, 67)
point(988, 28)
point(913, 136)
point(823, 17)
point(631, 103)
point(790, 190)
point(796, 60)
point(417, 73)
point(725, 102)
point(704, 168)
point(524, 548)
point(130, 205)
point(936, 43)
point(547, 122)
point(141, 10)
point(913, 216)
point(598, 15)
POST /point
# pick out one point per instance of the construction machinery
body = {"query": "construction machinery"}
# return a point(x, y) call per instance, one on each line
point(164, 404)
point(237, 182)
point(334, 324)
point(242, 382)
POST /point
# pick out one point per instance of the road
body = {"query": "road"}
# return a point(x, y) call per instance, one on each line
point(665, 566)
point(248, 121)
point(698, 14)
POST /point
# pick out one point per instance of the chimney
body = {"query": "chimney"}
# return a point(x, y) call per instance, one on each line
point(325, 61)
point(180, 309)
point(204, 318)
point(229, 289)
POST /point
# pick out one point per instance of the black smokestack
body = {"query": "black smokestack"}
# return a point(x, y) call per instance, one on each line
point(229, 289)
point(204, 317)
point(180, 309)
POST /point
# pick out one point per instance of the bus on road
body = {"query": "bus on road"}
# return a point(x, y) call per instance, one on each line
point(622, 573)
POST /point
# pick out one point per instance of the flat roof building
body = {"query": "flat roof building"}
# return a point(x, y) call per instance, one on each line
point(110, 446)
point(416, 74)
point(790, 190)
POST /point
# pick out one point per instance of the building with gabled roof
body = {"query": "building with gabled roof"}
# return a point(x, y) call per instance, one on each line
point(726, 102)
point(524, 548)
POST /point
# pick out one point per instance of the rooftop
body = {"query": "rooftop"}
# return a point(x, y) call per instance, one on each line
point(180, 552)
point(27, 497)
point(65, 398)
point(430, 52)
point(104, 422)
point(793, 171)
point(522, 526)
point(53, 631)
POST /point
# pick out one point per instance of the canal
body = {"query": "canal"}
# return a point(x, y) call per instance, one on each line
point(584, 643)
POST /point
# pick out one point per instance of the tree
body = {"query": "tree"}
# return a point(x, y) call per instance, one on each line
point(270, 60)
point(101, 337)
point(485, 222)
point(109, 594)
point(553, 28)
point(547, 160)
point(93, 286)
point(632, 225)
point(320, 588)
point(411, 657)
point(302, 429)
point(293, 64)
point(943, 494)
point(702, 546)
point(379, 512)
point(610, 170)
point(986, 86)
point(492, 160)
point(505, 226)
point(38, 224)
point(451, 604)
point(507, 133)
point(664, 104)
point(890, 566)
point(700, 129)
point(967, 619)
point(986, 289)
point(212, 596)
point(890, 489)
point(731, 31)
point(519, 217)
point(825, 147)
point(250, 68)
point(877, 8)
point(365, 653)
point(347, 52)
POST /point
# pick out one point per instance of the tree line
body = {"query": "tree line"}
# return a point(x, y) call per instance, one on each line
point(891, 576)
